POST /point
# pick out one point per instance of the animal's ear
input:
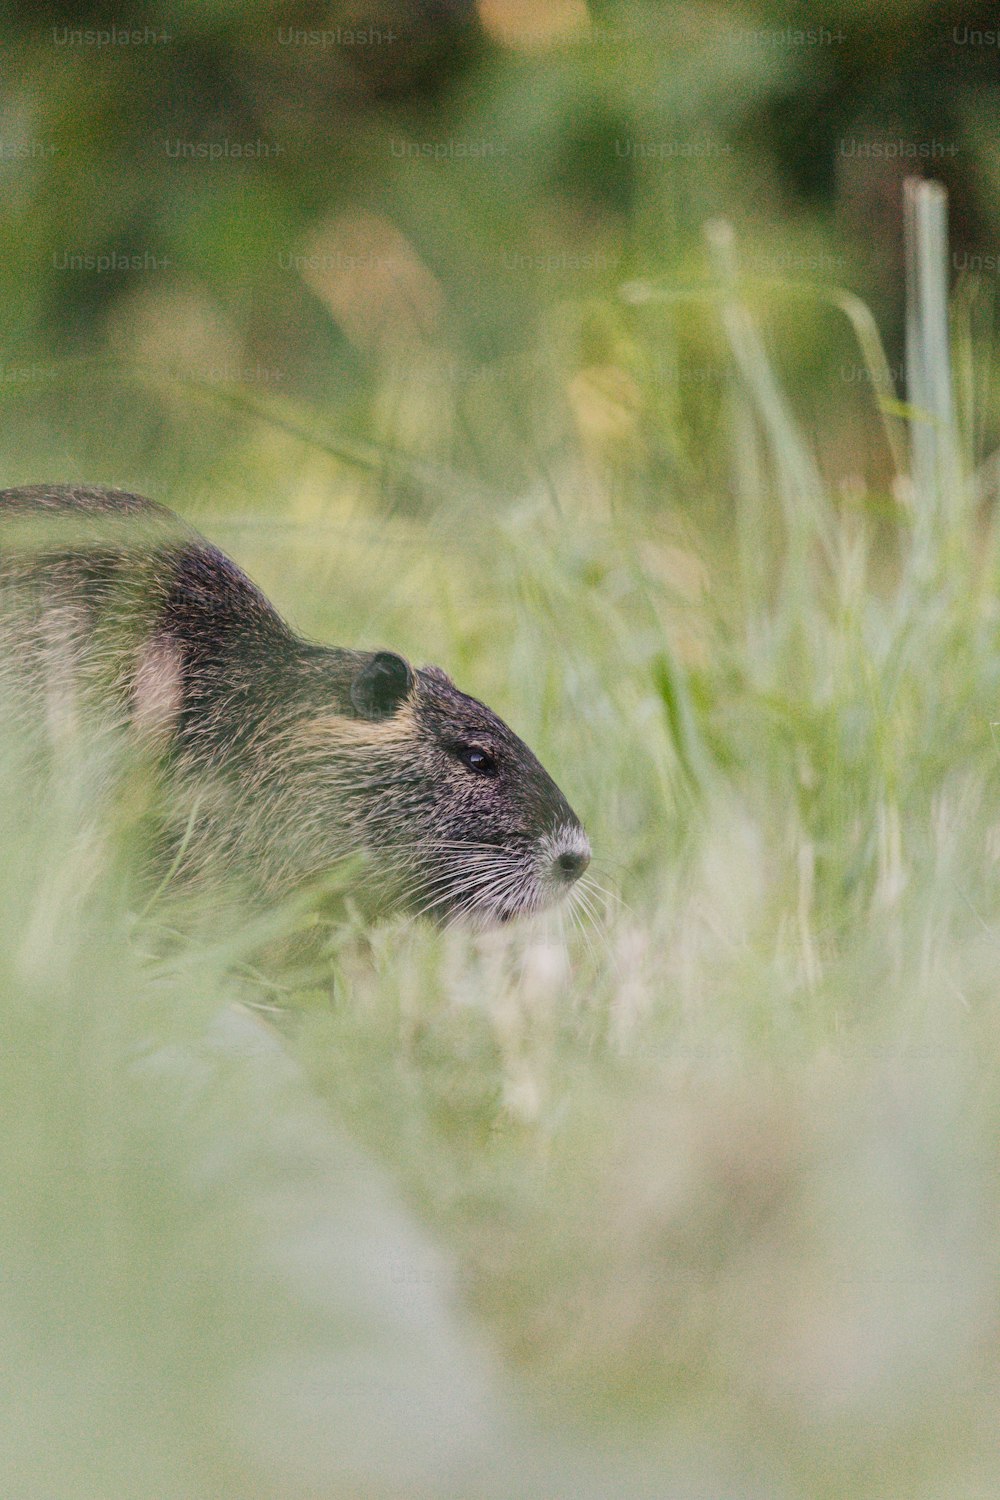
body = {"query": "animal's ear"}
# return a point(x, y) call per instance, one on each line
point(381, 685)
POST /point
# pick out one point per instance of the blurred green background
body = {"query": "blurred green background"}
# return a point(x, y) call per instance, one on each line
point(430, 315)
point(408, 223)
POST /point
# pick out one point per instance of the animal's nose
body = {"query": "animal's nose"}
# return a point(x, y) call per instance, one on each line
point(572, 864)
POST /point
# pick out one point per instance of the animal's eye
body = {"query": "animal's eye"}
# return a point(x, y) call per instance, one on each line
point(477, 759)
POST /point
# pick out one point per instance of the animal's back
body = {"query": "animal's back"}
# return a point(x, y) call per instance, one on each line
point(57, 538)
point(95, 582)
point(79, 498)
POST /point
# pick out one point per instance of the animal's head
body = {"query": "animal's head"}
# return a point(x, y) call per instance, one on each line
point(456, 815)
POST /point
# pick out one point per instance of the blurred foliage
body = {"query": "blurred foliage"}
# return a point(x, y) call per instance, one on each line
point(419, 215)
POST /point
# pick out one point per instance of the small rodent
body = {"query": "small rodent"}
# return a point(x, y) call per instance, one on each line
point(291, 756)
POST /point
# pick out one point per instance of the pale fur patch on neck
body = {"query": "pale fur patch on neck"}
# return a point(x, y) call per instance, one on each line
point(157, 689)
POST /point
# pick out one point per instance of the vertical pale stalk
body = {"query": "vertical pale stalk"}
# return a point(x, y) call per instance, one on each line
point(938, 491)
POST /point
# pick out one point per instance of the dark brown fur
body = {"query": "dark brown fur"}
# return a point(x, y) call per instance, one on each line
point(290, 756)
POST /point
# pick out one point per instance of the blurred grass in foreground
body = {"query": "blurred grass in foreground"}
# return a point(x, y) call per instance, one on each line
point(716, 1174)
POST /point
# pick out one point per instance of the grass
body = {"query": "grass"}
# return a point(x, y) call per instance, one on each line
point(697, 1195)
